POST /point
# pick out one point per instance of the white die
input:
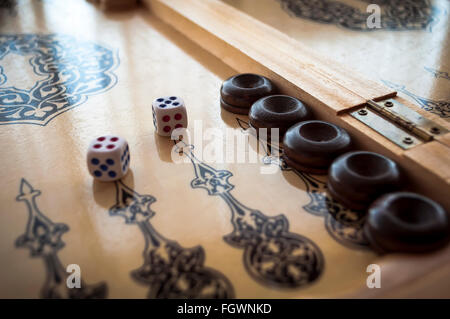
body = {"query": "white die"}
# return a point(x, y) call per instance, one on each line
point(169, 113)
point(108, 158)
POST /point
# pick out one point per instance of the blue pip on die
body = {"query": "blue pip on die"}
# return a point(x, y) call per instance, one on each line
point(169, 113)
point(108, 158)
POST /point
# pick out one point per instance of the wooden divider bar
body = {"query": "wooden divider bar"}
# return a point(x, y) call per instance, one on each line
point(246, 43)
point(330, 89)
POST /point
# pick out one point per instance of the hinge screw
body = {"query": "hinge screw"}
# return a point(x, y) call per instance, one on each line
point(362, 112)
point(267, 160)
point(435, 130)
point(389, 104)
point(408, 140)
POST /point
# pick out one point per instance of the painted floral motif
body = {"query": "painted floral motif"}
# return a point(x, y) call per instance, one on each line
point(395, 14)
point(70, 71)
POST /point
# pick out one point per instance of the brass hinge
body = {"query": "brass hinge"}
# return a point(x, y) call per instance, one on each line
point(397, 122)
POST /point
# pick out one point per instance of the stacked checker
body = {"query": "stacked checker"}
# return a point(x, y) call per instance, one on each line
point(239, 92)
point(364, 181)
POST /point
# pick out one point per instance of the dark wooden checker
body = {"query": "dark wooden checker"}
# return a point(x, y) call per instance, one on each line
point(115, 64)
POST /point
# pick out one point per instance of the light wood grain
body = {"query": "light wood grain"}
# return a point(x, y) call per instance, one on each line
point(433, 157)
point(157, 60)
point(412, 276)
point(237, 38)
point(248, 45)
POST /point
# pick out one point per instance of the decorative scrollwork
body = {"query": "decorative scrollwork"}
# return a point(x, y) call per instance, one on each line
point(71, 70)
point(440, 108)
point(272, 255)
point(214, 181)
point(170, 270)
point(437, 73)
point(344, 225)
point(395, 14)
point(43, 238)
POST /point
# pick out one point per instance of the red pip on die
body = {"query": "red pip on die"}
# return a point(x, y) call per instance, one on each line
point(108, 158)
point(169, 113)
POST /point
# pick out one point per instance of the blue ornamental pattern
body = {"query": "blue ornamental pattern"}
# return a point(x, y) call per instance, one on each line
point(43, 239)
point(71, 71)
point(439, 107)
point(344, 225)
point(170, 270)
point(396, 15)
point(438, 73)
point(273, 255)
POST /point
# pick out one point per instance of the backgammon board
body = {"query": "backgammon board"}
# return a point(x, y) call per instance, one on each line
point(410, 53)
point(70, 72)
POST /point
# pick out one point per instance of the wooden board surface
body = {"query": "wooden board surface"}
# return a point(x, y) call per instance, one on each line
point(412, 56)
point(138, 58)
point(328, 88)
point(309, 72)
